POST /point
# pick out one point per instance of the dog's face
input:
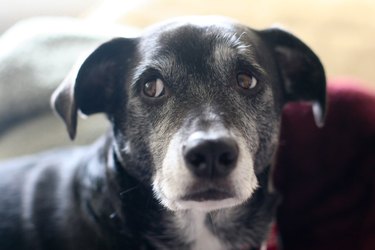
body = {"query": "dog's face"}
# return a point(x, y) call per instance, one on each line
point(195, 105)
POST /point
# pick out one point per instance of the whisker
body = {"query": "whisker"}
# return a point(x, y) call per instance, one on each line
point(128, 190)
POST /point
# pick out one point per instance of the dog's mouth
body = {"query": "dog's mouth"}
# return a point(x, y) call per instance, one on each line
point(211, 194)
point(209, 191)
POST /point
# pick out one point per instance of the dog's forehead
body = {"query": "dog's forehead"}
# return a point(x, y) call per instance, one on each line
point(204, 33)
point(199, 44)
point(202, 22)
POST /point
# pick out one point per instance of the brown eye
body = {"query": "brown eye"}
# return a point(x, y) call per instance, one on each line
point(154, 88)
point(246, 81)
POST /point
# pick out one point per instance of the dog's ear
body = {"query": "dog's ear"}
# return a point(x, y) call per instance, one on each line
point(302, 72)
point(90, 87)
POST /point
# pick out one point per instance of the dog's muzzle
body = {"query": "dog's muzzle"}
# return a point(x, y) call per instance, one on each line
point(206, 170)
point(210, 161)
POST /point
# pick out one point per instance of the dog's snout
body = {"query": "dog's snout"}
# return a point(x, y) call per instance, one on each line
point(211, 158)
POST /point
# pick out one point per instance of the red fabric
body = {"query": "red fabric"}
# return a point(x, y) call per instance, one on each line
point(272, 243)
point(327, 176)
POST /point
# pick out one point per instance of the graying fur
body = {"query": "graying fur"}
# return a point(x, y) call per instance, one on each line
point(198, 61)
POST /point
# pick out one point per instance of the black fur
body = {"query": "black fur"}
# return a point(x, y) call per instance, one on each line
point(101, 196)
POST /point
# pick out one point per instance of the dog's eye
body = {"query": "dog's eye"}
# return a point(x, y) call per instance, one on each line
point(154, 88)
point(246, 81)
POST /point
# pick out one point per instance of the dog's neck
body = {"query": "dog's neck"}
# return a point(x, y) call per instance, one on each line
point(193, 227)
point(204, 230)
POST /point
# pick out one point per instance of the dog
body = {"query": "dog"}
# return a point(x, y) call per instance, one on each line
point(195, 106)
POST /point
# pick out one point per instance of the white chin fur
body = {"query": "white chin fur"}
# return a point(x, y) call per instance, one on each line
point(204, 206)
point(207, 206)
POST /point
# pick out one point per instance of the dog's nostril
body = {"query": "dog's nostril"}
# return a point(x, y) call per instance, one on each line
point(211, 158)
point(227, 158)
point(197, 160)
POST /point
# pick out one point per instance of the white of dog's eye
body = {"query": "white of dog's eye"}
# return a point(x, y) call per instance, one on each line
point(154, 88)
point(246, 81)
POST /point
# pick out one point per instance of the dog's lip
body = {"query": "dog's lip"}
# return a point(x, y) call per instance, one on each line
point(210, 194)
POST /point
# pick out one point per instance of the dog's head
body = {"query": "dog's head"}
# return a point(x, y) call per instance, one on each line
point(195, 105)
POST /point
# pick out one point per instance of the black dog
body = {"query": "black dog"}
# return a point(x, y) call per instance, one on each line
point(195, 109)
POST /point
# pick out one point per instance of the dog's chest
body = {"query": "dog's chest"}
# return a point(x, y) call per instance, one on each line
point(194, 228)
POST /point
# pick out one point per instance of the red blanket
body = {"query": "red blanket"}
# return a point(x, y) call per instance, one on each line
point(327, 176)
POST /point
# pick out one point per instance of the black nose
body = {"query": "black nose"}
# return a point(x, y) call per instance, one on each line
point(211, 158)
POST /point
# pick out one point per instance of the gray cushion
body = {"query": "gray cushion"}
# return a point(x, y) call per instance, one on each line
point(35, 56)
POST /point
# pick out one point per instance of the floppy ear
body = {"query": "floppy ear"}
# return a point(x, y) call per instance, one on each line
point(91, 87)
point(302, 72)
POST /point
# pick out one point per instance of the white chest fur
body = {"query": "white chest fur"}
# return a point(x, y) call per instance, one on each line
point(194, 229)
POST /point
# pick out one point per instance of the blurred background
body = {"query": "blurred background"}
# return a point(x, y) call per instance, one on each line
point(341, 32)
point(12, 11)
